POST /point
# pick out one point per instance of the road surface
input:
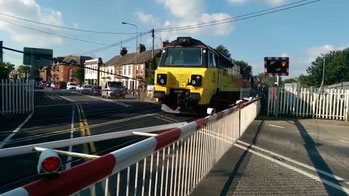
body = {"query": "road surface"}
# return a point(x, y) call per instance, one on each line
point(65, 114)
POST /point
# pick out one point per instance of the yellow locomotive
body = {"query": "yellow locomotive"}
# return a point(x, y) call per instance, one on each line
point(193, 76)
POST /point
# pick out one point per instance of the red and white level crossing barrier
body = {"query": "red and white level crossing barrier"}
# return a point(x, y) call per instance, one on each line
point(172, 162)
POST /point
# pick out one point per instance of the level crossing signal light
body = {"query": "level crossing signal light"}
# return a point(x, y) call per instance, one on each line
point(276, 66)
point(49, 163)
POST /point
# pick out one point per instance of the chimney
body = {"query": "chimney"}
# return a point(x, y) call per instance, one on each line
point(123, 51)
point(100, 61)
point(141, 48)
point(164, 43)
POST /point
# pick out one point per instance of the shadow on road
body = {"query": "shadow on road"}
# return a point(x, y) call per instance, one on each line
point(234, 174)
point(318, 162)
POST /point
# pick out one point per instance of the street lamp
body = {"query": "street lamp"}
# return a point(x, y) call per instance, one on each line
point(126, 23)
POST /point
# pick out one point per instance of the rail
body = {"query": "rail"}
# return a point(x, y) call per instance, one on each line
point(171, 163)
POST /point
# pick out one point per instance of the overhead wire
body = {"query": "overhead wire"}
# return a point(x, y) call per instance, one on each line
point(67, 28)
point(50, 33)
point(241, 17)
point(117, 43)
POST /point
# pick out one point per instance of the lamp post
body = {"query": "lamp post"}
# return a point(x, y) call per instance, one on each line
point(323, 75)
point(126, 23)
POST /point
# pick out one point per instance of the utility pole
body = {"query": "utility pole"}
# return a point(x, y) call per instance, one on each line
point(152, 49)
point(1, 53)
point(323, 73)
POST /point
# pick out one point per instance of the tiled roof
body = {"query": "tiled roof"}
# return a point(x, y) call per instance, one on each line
point(79, 60)
point(131, 58)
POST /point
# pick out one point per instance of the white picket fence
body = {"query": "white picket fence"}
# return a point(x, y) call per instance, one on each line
point(17, 96)
point(309, 102)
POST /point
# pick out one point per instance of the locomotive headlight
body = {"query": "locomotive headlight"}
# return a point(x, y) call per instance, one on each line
point(161, 79)
point(196, 80)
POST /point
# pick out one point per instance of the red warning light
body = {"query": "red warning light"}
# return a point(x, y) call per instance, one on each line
point(51, 164)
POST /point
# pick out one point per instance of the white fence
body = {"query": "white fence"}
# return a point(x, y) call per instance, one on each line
point(170, 163)
point(17, 96)
point(309, 102)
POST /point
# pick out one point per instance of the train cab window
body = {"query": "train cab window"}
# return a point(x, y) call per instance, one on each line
point(211, 60)
point(182, 57)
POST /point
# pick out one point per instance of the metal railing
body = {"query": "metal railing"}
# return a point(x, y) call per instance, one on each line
point(171, 163)
point(17, 96)
point(309, 102)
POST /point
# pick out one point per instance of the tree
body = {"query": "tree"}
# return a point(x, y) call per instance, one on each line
point(269, 81)
point(247, 69)
point(290, 80)
point(5, 69)
point(23, 70)
point(150, 70)
point(336, 68)
point(80, 75)
point(304, 81)
point(224, 51)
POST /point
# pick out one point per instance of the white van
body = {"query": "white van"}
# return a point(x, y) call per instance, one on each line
point(113, 90)
point(71, 85)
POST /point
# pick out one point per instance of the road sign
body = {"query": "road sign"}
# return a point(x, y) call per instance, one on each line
point(41, 56)
point(37, 58)
point(276, 66)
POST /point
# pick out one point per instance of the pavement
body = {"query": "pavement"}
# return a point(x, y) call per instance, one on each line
point(284, 157)
point(64, 114)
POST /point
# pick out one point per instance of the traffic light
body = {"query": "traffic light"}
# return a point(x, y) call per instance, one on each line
point(276, 66)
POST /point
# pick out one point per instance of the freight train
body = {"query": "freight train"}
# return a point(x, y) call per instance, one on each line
point(193, 76)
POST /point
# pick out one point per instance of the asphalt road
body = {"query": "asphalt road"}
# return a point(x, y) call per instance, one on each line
point(269, 159)
point(57, 113)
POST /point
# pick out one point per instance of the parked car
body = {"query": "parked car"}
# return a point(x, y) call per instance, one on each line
point(78, 87)
point(71, 85)
point(60, 85)
point(48, 84)
point(86, 89)
point(96, 90)
point(38, 85)
point(53, 85)
point(113, 90)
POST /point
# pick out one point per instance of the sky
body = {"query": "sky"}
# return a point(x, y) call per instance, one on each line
point(302, 33)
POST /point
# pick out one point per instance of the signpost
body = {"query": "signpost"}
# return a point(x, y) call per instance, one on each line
point(37, 57)
point(276, 66)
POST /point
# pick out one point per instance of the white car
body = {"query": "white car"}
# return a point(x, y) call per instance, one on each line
point(86, 89)
point(71, 85)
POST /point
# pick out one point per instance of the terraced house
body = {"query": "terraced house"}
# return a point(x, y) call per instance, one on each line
point(130, 68)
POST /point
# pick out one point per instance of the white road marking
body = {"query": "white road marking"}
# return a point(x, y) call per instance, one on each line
point(344, 141)
point(164, 118)
point(314, 177)
point(52, 97)
point(66, 98)
point(69, 159)
point(7, 139)
point(276, 126)
point(296, 162)
point(111, 101)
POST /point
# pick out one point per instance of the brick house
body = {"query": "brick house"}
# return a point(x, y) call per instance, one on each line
point(132, 67)
point(63, 68)
point(45, 74)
